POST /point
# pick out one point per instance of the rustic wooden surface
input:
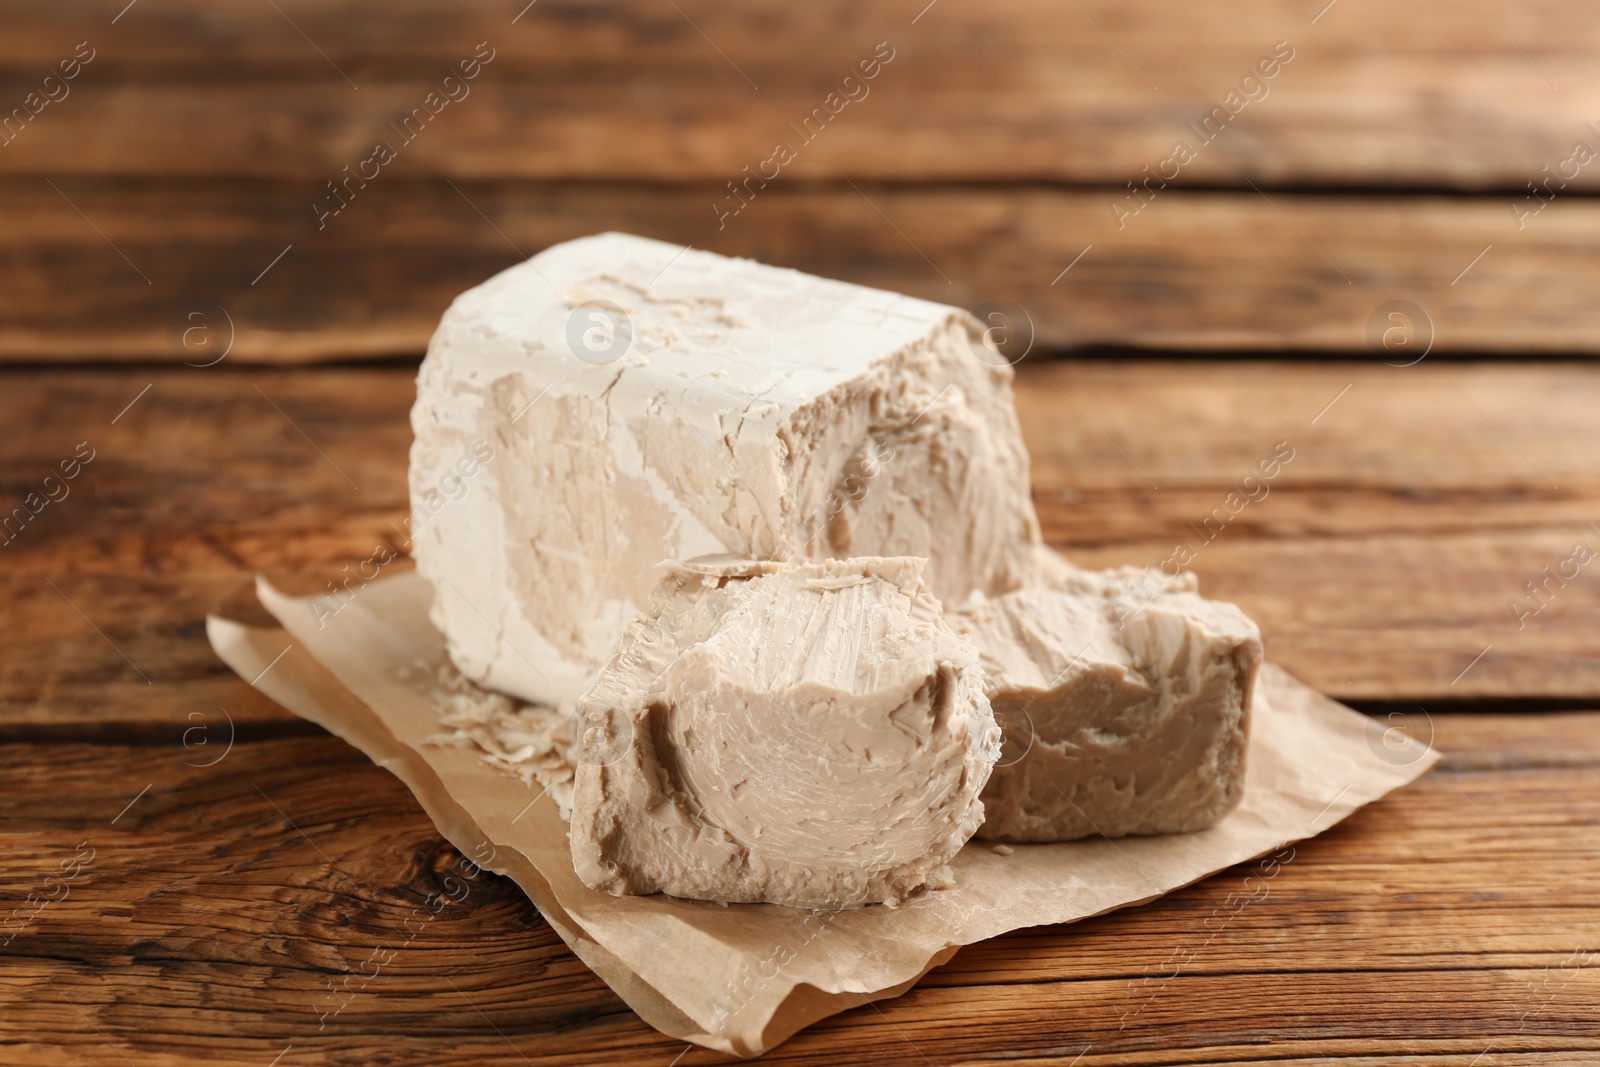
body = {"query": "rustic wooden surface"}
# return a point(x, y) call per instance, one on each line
point(995, 147)
point(222, 906)
point(1380, 564)
point(215, 917)
point(1216, 271)
point(191, 871)
point(1429, 94)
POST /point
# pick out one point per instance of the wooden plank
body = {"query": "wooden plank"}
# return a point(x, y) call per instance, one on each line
point(1426, 94)
point(199, 483)
point(1219, 271)
point(1417, 506)
point(1381, 563)
point(285, 896)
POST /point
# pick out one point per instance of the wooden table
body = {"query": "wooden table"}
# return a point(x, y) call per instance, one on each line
point(191, 870)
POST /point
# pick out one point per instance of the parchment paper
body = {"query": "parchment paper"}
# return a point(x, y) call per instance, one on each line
point(741, 978)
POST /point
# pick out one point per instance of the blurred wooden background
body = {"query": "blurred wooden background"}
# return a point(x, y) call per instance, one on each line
point(1384, 254)
point(1376, 164)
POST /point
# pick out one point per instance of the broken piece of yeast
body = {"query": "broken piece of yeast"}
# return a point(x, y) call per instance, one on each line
point(1124, 697)
point(639, 402)
point(809, 734)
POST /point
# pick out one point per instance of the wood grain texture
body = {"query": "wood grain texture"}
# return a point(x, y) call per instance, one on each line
point(1382, 561)
point(119, 271)
point(293, 894)
point(1428, 94)
point(1413, 514)
point(190, 166)
point(245, 890)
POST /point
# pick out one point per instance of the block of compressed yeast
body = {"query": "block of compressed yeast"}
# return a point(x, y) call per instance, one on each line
point(615, 402)
point(809, 734)
point(1124, 698)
